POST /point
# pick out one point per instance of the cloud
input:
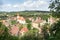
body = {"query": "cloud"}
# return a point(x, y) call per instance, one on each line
point(27, 5)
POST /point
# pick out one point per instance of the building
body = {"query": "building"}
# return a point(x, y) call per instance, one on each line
point(51, 20)
point(23, 30)
point(14, 30)
point(21, 19)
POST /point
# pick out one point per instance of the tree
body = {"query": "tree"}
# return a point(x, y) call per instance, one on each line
point(55, 31)
point(13, 22)
point(4, 34)
point(31, 35)
point(29, 24)
point(55, 8)
point(45, 32)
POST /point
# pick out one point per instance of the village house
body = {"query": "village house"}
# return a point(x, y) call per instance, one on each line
point(38, 22)
point(13, 18)
point(5, 22)
point(14, 30)
point(23, 30)
point(31, 19)
point(51, 20)
point(21, 19)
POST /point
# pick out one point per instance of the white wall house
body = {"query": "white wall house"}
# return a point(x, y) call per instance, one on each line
point(21, 20)
point(51, 20)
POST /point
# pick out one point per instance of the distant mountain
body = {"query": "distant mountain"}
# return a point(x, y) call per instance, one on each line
point(36, 11)
point(26, 11)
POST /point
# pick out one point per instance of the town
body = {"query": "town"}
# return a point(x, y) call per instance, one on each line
point(29, 19)
point(19, 25)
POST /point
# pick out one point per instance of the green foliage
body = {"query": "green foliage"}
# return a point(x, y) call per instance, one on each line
point(45, 33)
point(0, 24)
point(3, 17)
point(55, 31)
point(13, 22)
point(29, 26)
point(45, 17)
point(4, 34)
point(35, 29)
point(32, 35)
point(28, 21)
point(55, 8)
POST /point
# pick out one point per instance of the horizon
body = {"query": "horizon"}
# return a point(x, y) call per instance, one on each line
point(26, 11)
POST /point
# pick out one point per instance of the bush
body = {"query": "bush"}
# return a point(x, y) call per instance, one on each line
point(55, 31)
point(5, 34)
point(31, 35)
point(13, 22)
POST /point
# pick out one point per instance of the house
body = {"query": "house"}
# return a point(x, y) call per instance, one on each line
point(14, 30)
point(23, 30)
point(35, 25)
point(21, 19)
point(13, 18)
point(43, 22)
point(51, 20)
point(5, 22)
point(31, 19)
point(38, 20)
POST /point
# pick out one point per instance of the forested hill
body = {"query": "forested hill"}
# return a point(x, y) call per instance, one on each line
point(37, 11)
point(25, 12)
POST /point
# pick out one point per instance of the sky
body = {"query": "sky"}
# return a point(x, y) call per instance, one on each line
point(22, 5)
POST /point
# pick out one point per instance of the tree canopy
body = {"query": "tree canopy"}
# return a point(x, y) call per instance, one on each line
point(55, 8)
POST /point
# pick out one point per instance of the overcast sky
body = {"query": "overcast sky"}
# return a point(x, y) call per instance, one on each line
point(21, 5)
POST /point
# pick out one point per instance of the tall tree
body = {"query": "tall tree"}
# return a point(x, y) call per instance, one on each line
point(55, 8)
point(55, 31)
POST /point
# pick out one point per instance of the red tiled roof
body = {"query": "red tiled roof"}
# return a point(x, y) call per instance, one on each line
point(24, 29)
point(21, 18)
point(14, 30)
